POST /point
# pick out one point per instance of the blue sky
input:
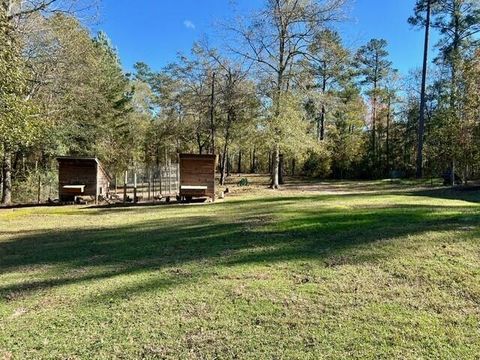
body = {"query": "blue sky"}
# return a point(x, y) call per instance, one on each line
point(154, 31)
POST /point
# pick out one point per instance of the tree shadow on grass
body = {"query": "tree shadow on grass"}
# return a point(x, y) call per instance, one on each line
point(470, 194)
point(255, 232)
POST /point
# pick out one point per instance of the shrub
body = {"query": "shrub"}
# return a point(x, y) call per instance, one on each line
point(318, 163)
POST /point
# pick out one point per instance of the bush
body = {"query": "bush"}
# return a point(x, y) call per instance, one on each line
point(318, 163)
point(243, 182)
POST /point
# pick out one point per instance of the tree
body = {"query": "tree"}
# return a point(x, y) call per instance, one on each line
point(19, 10)
point(419, 8)
point(373, 67)
point(328, 62)
point(15, 124)
point(458, 22)
point(237, 104)
point(346, 142)
point(275, 40)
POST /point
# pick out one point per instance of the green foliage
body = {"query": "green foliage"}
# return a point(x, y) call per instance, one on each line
point(243, 182)
point(16, 126)
point(26, 187)
point(372, 63)
point(292, 88)
point(318, 162)
point(288, 126)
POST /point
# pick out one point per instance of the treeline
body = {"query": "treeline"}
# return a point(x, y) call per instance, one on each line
point(284, 96)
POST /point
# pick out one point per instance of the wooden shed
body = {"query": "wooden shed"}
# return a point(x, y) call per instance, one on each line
point(197, 176)
point(80, 176)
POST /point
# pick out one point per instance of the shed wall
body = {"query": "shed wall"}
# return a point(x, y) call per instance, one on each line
point(103, 182)
point(77, 172)
point(198, 170)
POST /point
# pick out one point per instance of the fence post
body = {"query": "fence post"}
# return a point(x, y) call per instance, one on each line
point(169, 169)
point(161, 181)
point(149, 184)
point(125, 181)
point(135, 188)
point(39, 189)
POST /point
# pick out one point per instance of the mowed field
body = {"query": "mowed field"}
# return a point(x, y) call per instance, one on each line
point(327, 270)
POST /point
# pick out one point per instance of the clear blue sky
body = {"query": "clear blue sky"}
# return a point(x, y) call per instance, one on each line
point(154, 31)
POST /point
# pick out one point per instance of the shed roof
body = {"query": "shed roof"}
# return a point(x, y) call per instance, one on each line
point(79, 158)
point(198, 156)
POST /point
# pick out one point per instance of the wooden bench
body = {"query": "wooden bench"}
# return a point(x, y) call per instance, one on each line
point(189, 191)
point(74, 189)
point(193, 187)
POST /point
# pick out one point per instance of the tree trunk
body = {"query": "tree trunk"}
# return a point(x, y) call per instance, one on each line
point(275, 167)
point(223, 166)
point(199, 144)
point(374, 125)
point(252, 157)
point(322, 124)
point(239, 168)
point(387, 141)
point(453, 173)
point(280, 169)
point(269, 162)
point(421, 122)
point(212, 116)
point(39, 188)
point(323, 114)
point(229, 163)
point(254, 161)
point(7, 178)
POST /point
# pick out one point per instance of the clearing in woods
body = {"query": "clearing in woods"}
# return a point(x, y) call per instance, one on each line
point(330, 270)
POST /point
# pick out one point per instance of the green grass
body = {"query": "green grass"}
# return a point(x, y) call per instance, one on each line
point(375, 272)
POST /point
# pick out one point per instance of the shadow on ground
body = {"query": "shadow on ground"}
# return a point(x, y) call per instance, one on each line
point(247, 231)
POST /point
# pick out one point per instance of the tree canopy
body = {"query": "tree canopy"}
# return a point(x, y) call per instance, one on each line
point(284, 96)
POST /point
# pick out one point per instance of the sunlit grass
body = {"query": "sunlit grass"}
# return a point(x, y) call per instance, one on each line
point(301, 273)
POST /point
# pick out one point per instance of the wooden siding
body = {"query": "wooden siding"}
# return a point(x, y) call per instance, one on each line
point(103, 181)
point(198, 170)
point(78, 171)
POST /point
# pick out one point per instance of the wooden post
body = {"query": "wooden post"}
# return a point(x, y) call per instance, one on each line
point(39, 189)
point(161, 177)
point(178, 176)
point(135, 188)
point(125, 181)
point(169, 170)
point(153, 185)
point(149, 183)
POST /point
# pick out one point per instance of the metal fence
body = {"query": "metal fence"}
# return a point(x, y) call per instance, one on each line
point(153, 183)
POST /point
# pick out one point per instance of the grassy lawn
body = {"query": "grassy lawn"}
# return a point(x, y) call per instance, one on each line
point(331, 270)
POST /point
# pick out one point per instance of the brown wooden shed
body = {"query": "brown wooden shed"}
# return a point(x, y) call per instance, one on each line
point(197, 176)
point(81, 176)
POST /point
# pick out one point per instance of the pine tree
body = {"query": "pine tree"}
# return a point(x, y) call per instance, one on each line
point(373, 68)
